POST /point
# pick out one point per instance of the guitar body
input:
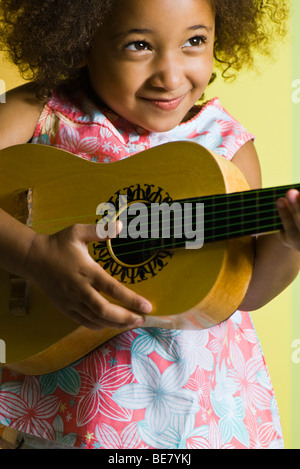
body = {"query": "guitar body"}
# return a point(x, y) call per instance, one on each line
point(188, 288)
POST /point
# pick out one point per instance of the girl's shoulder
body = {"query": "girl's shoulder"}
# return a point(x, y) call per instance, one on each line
point(213, 127)
point(211, 109)
point(19, 114)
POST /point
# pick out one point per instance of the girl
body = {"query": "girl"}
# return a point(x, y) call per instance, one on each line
point(122, 76)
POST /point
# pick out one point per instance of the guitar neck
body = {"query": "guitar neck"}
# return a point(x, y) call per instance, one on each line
point(226, 216)
point(242, 213)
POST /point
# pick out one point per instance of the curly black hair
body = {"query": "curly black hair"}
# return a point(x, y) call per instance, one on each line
point(49, 39)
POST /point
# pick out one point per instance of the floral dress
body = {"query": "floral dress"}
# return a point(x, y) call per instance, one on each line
point(151, 387)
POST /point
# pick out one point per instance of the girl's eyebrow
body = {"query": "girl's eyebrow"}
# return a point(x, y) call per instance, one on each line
point(133, 31)
point(149, 31)
point(200, 26)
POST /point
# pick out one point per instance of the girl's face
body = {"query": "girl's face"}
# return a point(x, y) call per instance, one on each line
point(153, 59)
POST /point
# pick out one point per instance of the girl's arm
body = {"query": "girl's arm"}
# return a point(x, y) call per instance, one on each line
point(68, 276)
point(19, 116)
point(277, 259)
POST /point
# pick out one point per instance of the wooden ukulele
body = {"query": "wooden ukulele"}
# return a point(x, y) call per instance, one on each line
point(50, 189)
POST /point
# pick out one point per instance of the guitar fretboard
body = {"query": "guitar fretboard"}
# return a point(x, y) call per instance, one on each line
point(226, 216)
point(241, 213)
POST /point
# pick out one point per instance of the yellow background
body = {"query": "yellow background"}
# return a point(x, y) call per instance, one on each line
point(261, 101)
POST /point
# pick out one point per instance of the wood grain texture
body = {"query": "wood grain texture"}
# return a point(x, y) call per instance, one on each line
point(194, 289)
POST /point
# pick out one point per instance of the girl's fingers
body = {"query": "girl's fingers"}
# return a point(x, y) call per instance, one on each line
point(99, 312)
point(120, 314)
point(93, 322)
point(285, 215)
point(104, 283)
point(293, 198)
point(90, 282)
point(289, 211)
point(83, 320)
point(88, 233)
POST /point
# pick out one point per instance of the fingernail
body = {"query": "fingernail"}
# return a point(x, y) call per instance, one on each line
point(292, 196)
point(146, 307)
point(280, 203)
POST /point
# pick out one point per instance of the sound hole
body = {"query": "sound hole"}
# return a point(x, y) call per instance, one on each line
point(135, 255)
point(134, 252)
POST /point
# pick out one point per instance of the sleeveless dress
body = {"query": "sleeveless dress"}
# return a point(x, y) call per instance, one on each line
point(150, 387)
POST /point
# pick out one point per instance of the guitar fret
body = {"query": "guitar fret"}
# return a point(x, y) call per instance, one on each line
point(209, 220)
point(233, 215)
point(257, 212)
point(239, 214)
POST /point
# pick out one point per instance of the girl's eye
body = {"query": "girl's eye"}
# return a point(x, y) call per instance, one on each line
point(195, 41)
point(137, 46)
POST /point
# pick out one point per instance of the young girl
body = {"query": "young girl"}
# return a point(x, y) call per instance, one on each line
point(109, 81)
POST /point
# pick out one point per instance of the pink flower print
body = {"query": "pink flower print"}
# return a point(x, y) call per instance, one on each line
point(220, 334)
point(65, 106)
point(109, 132)
point(250, 336)
point(215, 437)
point(208, 438)
point(245, 375)
point(193, 346)
point(197, 442)
point(260, 435)
point(123, 341)
point(105, 133)
point(202, 387)
point(71, 140)
point(28, 411)
point(98, 383)
point(109, 438)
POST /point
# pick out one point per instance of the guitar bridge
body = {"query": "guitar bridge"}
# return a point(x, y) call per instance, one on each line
point(18, 302)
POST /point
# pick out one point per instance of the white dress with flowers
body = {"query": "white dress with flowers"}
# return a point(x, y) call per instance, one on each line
point(149, 388)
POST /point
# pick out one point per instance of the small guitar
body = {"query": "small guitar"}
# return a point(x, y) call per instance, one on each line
point(50, 189)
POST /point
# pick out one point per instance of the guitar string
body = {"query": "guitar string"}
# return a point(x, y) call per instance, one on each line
point(267, 228)
point(172, 245)
point(241, 231)
point(244, 232)
point(203, 199)
point(208, 214)
point(216, 220)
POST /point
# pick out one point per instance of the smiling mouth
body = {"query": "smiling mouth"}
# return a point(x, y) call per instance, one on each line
point(165, 104)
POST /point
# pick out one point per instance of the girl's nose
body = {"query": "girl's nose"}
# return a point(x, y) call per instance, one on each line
point(167, 73)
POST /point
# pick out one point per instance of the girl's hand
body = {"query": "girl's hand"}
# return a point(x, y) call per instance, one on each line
point(289, 211)
point(62, 267)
